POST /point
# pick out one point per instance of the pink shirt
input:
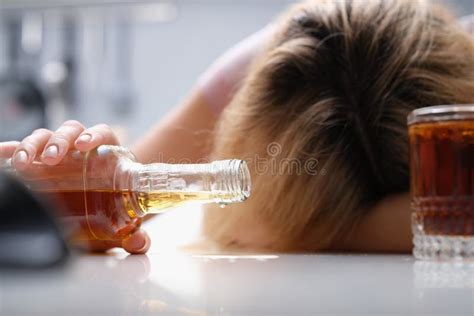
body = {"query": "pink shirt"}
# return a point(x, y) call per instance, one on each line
point(220, 81)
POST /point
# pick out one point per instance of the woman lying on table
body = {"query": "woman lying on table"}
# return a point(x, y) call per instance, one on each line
point(329, 86)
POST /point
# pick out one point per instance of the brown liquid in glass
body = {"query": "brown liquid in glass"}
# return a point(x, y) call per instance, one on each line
point(442, 181)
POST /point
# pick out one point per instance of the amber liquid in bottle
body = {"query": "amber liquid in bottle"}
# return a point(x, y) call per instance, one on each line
point(111, 215)
point(442, 166)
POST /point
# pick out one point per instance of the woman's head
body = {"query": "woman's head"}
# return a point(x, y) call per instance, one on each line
point(321, 118)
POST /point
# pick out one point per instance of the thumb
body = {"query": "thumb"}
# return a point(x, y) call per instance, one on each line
point(137, 243)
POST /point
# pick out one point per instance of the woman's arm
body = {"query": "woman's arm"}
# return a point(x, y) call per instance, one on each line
point(387, 228)
point(185, 134)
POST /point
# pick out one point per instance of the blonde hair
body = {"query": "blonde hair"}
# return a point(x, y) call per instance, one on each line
point(334, 87)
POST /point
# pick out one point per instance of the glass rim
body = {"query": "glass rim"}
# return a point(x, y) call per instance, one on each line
point(441, 113)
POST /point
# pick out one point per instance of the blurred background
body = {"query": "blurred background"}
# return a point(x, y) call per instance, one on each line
point(124, 63)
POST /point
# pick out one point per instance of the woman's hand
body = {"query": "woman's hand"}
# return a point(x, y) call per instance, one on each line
point(50, 147)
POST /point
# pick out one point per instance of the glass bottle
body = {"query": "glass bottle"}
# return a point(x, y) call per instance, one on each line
point(104, 194)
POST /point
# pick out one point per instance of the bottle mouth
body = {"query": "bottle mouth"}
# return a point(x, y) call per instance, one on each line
point(233, 182)
point(242, 179)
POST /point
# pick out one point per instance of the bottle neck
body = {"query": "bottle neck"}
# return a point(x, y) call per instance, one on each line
point(162, 185)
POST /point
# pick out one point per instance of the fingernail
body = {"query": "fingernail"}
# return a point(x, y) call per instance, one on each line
point(21, 157)
point(51, 152)
point(84, 138)
point(137, 242)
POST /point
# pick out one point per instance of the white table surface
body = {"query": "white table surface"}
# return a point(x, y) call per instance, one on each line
point(167, 281)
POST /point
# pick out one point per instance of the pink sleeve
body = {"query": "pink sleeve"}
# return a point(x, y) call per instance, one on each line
point(468, 23)
point(220, 81)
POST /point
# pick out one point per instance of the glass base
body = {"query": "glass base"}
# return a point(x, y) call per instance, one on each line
point(436, 247)
point(440, 247)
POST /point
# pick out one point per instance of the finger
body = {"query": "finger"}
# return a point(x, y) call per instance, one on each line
point(8, 148)
point(26, 152)
point(60, 142)
point(95, 136)
point(138, 243)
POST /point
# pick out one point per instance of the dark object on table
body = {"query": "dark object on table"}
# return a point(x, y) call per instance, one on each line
point(22, 108)
point(22, 97)
point(29, 237)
